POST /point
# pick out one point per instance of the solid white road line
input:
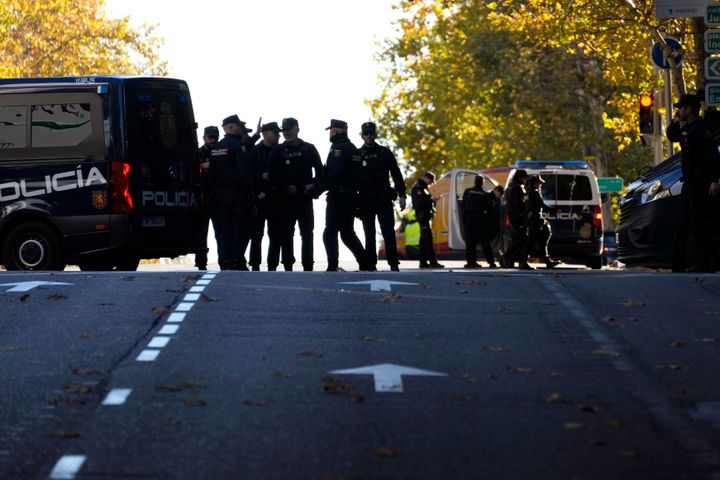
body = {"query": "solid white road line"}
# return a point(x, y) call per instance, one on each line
point(117, 396)
point(148, 355)
point(67, 467)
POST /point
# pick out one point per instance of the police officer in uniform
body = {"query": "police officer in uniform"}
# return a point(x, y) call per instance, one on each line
point(210, 139)
point(265, 208)
point(424, 206)
point(231, 183)
point(340, 181)
point(514, 203)
point(292, 164)
point(479, 220)
point(538, 229)
point(701, 171)
point(376, 196)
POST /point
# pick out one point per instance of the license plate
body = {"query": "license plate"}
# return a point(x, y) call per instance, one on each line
point(152, 221)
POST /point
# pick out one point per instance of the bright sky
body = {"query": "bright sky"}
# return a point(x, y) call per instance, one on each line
point(312, 59)
point(308, 59)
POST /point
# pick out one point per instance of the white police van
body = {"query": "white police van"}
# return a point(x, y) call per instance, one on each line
point(96, 171)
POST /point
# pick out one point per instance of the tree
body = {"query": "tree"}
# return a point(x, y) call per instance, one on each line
point(482, 83)
point(73, 37)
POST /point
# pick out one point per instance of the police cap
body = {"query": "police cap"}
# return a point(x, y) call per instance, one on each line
point(212, 131)
point(337, 124)
point(236, 120)
point(521, 174)
point(270, 127)
point(430, 175)
point(688, 100)
point(289, 123)
point(368, 127)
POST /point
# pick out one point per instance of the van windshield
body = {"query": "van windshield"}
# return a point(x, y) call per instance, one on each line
point(160, 127)
point(566, 187)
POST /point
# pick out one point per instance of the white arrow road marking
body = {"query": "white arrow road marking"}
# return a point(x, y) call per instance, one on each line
point(388, 376)
point(25, 286)
point(378, 285)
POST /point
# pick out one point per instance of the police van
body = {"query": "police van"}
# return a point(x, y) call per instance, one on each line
point(573, 207)
point(97, 171)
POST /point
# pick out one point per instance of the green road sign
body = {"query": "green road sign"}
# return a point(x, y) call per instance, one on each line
point(712, 15)
point(712, 94)
point(712, 41)
point(712, 68)
point(610, 184)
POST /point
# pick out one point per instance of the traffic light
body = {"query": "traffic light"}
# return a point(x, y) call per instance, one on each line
point(646, 116)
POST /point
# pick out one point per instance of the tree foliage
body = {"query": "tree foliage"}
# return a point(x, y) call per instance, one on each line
point(73, 37)
point(479, 83)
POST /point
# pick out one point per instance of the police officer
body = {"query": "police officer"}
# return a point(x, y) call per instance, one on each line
point(265, 207)
point(376, 196)
point(210, 139)
point(538, 229)
point(514, 202)
point(231, 183)
point(339, 180)
point(424, 206)
point(701, 171)
point(291, 172)
point(479, 220)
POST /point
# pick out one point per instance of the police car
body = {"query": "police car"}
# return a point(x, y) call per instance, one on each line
point(573, 208)
point(96, 171)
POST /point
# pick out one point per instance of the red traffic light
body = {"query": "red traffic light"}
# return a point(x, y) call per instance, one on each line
point(646, 101)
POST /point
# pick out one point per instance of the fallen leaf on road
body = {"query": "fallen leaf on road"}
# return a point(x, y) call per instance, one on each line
point(368, 338)
point(671, 366)
point(633, 303)
point(8, 349)
point(607, 319)
point(338, 386)
point(161, 310)
point(168, 388)
point(587, 408)
point(612, 423)
point(194, 402)
point(24, 297)
point(85, 371)
point(192, 384)
point(88, 336)
point(63, 400)
point(606, 352)
point(208, 298)
point(317, 290)
point(255, 403)
point(459, 398)
point(64, 434)
point(128, 279)
point(393, 297)
point(75, 388)
point(305, 353)
point(56, 296)
point(189, 279)
point(557, 398)
point(384, 452)
point(491, 349)
point(678, 344)
point(574, 425)
point(557, 375)
point(504, 309)
point(519, 370)
point(173, 290)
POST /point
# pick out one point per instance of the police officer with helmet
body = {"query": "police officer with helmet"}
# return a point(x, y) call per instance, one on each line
point(376, 196)
point(292, 164)
point(424, 206)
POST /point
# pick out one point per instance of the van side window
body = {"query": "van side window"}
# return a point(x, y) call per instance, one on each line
point(63, 125)
point(566, 187)
point(13, 123)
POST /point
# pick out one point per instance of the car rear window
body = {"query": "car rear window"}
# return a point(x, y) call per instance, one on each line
point(566, 187)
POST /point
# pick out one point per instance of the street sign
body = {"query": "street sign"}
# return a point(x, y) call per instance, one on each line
point(388, 376)
point(712, 68)
point(712, 94)
point(658, 55)
point(712, 41)
point(712, 15)
point(680, 8)
point(610, 184)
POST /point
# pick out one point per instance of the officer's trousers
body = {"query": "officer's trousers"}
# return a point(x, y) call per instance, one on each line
point(339, 218)
point(427, 252)
point(278, 239)
point(232, 236)
point(297, 208)
point(386, 218)
point(474, 235)
point(201, 256)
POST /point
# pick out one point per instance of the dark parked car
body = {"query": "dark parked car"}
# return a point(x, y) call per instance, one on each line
point(650, 218)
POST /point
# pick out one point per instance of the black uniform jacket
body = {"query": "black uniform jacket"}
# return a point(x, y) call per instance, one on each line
point(340, 175)
point(700, 159)
point(230, 173)
point(294, 165)
point(376, 162)
point(422, 201)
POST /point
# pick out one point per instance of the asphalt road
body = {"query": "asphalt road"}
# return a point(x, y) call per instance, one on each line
point(462, 375)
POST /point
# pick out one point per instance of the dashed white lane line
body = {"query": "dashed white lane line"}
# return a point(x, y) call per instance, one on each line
point(169, 330)
point(67, 467)
point(159, 342)
point(184, 307)
point(191, 297)
point(202, 282)
point(197, 289)
point(117, 396)
point(176, 317)
point(148, 355)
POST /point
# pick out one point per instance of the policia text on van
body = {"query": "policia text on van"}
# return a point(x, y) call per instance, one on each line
point(96, 171)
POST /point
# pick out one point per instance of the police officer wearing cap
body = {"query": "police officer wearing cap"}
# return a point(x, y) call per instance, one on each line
point(292, 164)
point(210, 139)
point(700, 174)
point(377, 164)
point(232, 185)
point(340, 181)
point(424, 206)
point(265, 209)
point(479, 219)
point(538, 229)
point(513, 201)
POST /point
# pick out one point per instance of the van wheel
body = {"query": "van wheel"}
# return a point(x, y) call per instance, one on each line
point(33, 246)
point(594, 262)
